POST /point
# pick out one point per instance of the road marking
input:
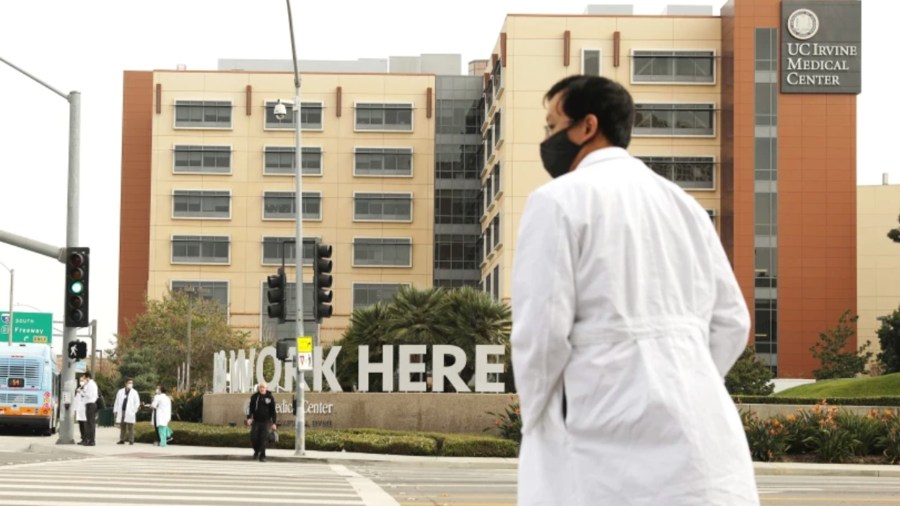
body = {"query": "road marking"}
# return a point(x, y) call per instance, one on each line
point(371, 494)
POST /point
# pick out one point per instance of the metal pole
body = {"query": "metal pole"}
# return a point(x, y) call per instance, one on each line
point(187, 381)
point(12, 281)
point(93, 343)
point(66, 425)
point(299, 414)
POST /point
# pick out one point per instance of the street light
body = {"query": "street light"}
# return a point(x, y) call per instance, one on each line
point(12, 282)
point(67, 378)
point(299, 419)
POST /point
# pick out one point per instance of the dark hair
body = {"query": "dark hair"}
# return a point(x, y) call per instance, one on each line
point(602, 97)
point(162, 389)
point(87, 374)
point(129, 379)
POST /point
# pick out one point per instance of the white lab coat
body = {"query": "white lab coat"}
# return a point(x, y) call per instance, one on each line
point(162, 410)
point(131, 409)
point(78, 406)
point(622, 294)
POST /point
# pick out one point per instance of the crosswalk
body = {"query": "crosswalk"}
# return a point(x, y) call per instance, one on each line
point(136, 481)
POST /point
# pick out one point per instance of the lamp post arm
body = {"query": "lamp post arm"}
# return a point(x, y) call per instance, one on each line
point(42, 83)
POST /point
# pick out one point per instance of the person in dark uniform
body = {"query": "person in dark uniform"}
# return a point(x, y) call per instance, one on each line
point(261, 419)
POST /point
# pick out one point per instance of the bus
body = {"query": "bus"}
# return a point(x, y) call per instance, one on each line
point(29, 387)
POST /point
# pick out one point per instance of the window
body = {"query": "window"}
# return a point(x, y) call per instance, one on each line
point(382, 162)
point(456, 116)
point(395, 117)
point(590, 62)
point(204, 159)
point(458, 207)
point(202, 114)
point(488, 141)
point(366, 294)
point(496, 287)
point(279, 160)
point(201, 204)
point(382, 206)
point(281, 205)
point(674, 119)
point(495, 128)
point(197, 249)
point(673, 66)
point(209, 290)
point(310, 115)
point(455, 251)
point(458, 161)
point(495, 224)
point(382, 252)
point(495, 178)
point(688, 172)
point(272, 246)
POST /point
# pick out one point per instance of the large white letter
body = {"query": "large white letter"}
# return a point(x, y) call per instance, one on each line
point(326, 369)
point(407, 367)
point(482, 367)
point(219, 366)
point(240, 373)
point(451, 372)
point(268, 351)
point(386, 368)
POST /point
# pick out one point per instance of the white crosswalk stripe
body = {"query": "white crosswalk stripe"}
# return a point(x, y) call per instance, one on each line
point(170, 482)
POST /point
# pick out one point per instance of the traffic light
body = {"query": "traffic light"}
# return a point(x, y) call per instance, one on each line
point(77, 350)
point(283, 348)
point(77, 270)
point(322, 280)
point(275, 294)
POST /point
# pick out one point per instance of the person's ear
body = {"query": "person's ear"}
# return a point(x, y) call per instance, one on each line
point(590, 126)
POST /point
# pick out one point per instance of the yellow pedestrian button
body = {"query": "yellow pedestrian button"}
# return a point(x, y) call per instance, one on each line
point(304, 344)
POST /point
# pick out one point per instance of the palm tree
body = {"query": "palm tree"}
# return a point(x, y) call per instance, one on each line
point(415, 316)
point(368, 326)
point(475, 318)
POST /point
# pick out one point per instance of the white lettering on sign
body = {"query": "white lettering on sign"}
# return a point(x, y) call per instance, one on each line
point(238, 371)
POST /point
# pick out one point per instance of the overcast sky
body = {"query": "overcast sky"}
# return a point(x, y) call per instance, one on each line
point(86, 45)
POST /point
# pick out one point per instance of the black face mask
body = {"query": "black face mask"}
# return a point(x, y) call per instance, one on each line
point(558, 153)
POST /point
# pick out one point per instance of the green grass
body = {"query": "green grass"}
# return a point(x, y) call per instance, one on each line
point(879, 386)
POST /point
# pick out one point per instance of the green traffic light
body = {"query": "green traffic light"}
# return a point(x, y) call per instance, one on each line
point(77, 287)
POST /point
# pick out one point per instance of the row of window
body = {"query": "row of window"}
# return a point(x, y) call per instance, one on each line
point(491, 236)
point(367, 252)
point(688, 172)
point(491, 283)
point(491, 189)
point(282, 205)
point(282, 160)
point(378, 117)
point(364, 294)
point(660, 66)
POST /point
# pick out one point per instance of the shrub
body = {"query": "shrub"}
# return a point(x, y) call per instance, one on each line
point(187, 406)
point(831, 442)
point(767, 438)
point(749, 376)
point(889, 440)
point(864, 429)
point(508, 423)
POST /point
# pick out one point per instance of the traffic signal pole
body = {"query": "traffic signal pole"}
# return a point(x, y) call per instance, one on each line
point(67, 423)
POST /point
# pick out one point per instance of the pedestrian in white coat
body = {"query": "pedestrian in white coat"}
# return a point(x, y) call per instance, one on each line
point(162, 415)
point(626, 318)
point(80, 409)
point(125, 409)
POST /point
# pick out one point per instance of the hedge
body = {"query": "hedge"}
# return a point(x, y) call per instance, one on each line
point(335, 440)
point(805, 401)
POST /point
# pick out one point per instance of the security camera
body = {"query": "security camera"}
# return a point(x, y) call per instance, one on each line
point(280, 111)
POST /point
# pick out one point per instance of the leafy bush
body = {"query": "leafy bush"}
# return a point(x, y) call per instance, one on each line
point(865, 429)
point(187, 406)
point(749, 376)
point(889, 440)
point(834, 401)
point(508, 423)
point(768, 438)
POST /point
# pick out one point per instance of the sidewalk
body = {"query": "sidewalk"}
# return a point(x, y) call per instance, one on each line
point(107, 447)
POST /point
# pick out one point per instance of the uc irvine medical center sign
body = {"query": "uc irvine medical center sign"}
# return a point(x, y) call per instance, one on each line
point(820, 46)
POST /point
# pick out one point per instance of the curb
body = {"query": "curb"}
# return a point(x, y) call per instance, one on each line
point(857, 470)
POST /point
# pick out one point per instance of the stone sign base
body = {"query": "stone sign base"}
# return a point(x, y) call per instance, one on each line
point(422, 412)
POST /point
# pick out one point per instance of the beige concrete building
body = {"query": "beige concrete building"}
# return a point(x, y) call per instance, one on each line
point(208, 187)
point(878, 265)
point(533, 52)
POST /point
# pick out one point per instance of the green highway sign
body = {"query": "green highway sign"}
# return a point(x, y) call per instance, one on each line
point(27, 328)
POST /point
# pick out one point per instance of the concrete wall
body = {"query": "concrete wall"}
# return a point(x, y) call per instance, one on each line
point(429, 412)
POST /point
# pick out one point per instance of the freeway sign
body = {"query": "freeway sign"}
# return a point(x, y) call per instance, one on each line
point(28, 327)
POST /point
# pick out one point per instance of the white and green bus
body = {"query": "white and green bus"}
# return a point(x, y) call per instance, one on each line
point(29, 387)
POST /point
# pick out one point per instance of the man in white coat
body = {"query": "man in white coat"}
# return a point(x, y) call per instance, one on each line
point(125, 410)
point(626, 318)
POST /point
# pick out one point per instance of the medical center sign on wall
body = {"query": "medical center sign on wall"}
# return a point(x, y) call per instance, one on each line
point(820, 46)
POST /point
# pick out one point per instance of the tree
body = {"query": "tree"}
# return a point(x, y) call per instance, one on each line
point(889, 338)
point(894, 233)
point(462, 317)
point(160, 335)
point(749, 376)
point(831, 350)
